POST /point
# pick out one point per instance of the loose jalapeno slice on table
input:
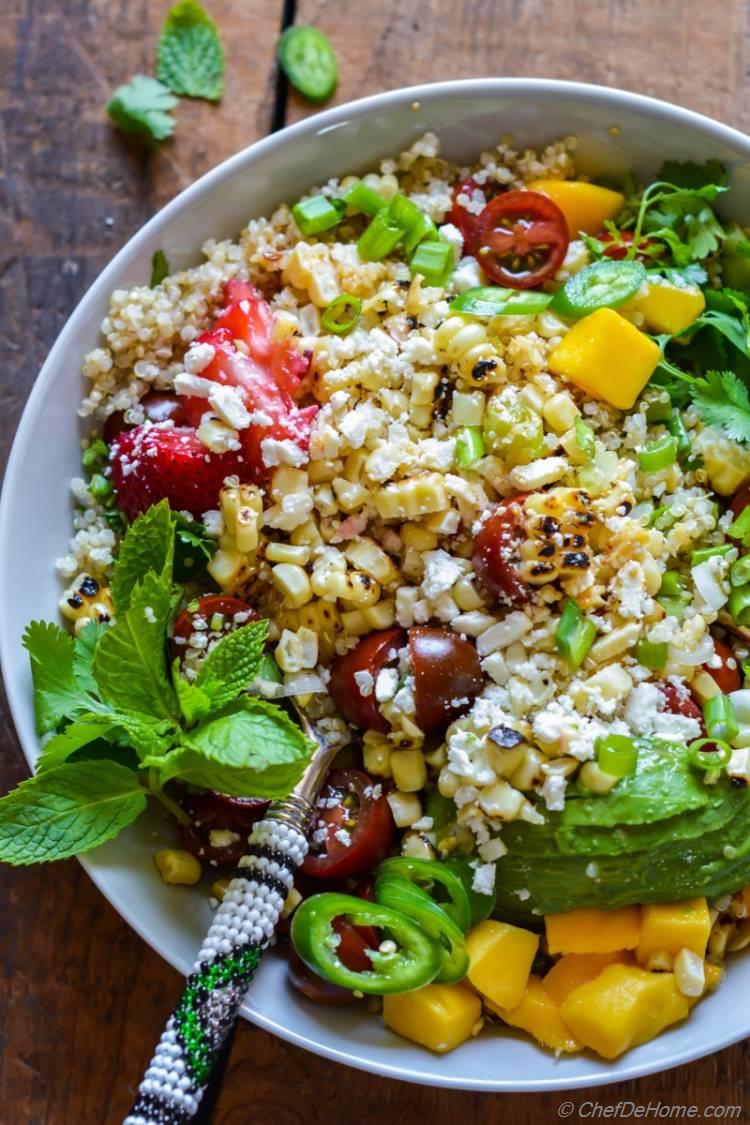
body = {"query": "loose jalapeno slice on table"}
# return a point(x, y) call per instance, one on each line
point(429, 875)
point(307, 59)
point(400, 894)
point(414, 960)
point(598, 286)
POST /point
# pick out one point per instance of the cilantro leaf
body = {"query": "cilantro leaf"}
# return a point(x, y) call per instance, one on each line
point(723, 401)
point(142, 106)
point(689, 275)
point(84, 646)
point(189, 56)
point(58, 692)
point(232, 663)
point(689, 174)
point(148, 546)
point(159, 268)
point(80, 733)
point(193, 548)
point(68, 810)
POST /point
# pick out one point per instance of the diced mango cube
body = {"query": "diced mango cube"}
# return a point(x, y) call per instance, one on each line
point(574, 969)
point(714, 974)
point(540, 1015)
point(669, 308)
point(607, 357)
point(586, 207)
point(438, 1016)
point(668, 927)
point(500, 959)
point(588, 930)
point(623, 1007)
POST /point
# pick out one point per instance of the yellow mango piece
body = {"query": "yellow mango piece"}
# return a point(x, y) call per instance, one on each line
point(574, 969)
point(540, 1015)
point(500, 959)
point(714, 975)
point(588, 930)
point(438, 1016)
point(623, 1007)
point(668, 927)
point(586, 207)
point(607, 357)
point(668, 308)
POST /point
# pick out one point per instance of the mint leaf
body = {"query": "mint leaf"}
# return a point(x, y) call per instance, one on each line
point(194, 703)
point(130, 662)
point(58, 694)
point(68, 810)
point(148, 546)
point(232, 663)
point(722, 400)
point(189, 57)
point(84, 646)
point(159, 268)
point(80, 733)
point(142, 106)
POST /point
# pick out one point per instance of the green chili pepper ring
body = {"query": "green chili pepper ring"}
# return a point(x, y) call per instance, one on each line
point(401, 895)
point(599, 286)
point(307, 59)
point(427, 874)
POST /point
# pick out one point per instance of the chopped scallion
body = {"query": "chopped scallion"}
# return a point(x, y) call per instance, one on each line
point(378, 239)
point(719, 716)
point(739, 575)
point(574, 635)
point(617, 755)
point(659, 408)
point(652, 654)
point(658, 455)
point(715, 757)
point(317, 214)
point(677, 429)
point(364, 199)
point(585, 439)
point(702, 553)
point(434, 261)
point(740, 528)
point(403, 213)
point(469, 447)
point(739, 605)
point(341, 315)
point(424, 230)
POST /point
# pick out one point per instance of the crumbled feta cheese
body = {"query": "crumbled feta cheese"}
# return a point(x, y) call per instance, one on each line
point(365, 682)
point(284, 452)
point(229, 405)
point(441, 571)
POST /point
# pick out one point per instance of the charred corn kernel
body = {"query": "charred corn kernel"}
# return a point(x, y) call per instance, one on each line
point(586, 207)
point(376, 755)
point(423, 386)
point(310, 267)
point(613, 644)
point(226, 568)
point(405, 807)
point(712, 976)
point(448, 783)
point(287, 553)
point(726, 463)
point(669, 308)
point(689, 973)
point(393, 402)
point(217, 435)
point(718, 942)
point(623, 1007)
point(607, 357)
point(437, 757)
point(671, 926)
point(382, 615)
point(350, 494)
point(418, 537)
point(588, 930)
point(465, 594)
point(560, 412)
point(420, 418)
point(595, 779)
point(411, 498)
point(293, 584)
point(361, 591)
point(219, 889)
point(439, 1016)
point(354, 463)
point(539, 1014)
point(366, 555)
point(286, 481)
point(611, 684)
point(409, 770)
point(247, 530)
point(443, 523)
point(86, 600)
point(467, 409)
point(529, 771)
point(324, 620)
point(500, 959)
point(323, 472)
point(178, 867)
point(306, 535)
point(466, 343)
point(324, 500)
point(355, 623)
point(298, 651)
point(532, 397)
point(704, 686)
point(574, 969)
point(417, 846)
point(501, 801)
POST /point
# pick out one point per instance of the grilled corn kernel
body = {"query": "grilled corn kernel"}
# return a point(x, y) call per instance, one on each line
point(354, 463)
point(355, 623)
point(382, 615)
point(413, 535)
point(704, 686)
point(448, 782)
point(595, 779)
point(689, 973)
point(417, 846)
point(293, 584)
point(350, 494)
point(443, 523)
point(420, 417)
point(86, 599)
point(405, 807)
point(324, 500)
point(323, 472)
point(468, 408)
point(367, 556)
point(286, 481)
point(423, 386)
point(615, 643)
point(287, 553)
point(177, 866)
point(297, 652)
point(529, 772)
point(560, 412)
point(501, 801)
point(411, 498)
point(465, 595)
point(226, 568)
point(306, 535)
point(376, 757)
point(409, 770)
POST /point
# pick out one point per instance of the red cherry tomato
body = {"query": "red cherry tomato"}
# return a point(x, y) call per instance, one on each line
point(158, 406)
point(679, 701)
point(312, 986)
point(207, 607)
point(358, 827)
point(447, 675)
point(727, 676)
point(468, 221)
point(740, 500)
point(523, 239)
point(369, 655)
point(217, 812)
point(618, 250)
point(496, 552)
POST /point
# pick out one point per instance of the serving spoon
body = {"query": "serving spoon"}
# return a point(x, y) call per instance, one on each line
point(191, 1047)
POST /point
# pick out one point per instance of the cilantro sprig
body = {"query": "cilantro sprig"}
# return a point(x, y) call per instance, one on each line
point(122, 724)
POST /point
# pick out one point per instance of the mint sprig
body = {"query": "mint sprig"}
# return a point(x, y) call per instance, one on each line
point(189, 56)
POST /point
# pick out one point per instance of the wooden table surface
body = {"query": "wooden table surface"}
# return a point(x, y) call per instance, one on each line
point(81, 996)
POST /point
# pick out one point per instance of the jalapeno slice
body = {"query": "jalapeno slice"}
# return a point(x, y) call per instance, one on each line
point(307, 59)
point(414, 961)
point(481, 905)
point(598, 286)
point(493, 300)
point(429, 875)
point(399, 894)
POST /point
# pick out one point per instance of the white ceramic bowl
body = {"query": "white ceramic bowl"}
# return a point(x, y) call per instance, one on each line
point(617, 131)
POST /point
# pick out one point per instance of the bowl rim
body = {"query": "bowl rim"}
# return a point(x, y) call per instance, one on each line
point(659, 111)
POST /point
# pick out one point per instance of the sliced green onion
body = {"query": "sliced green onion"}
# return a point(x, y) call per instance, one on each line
point(661, 518)
point(657, 455)
point(739, 575)
point(720, 719)
point(714, 759)
point(617, 755)
point(424, 230)
point(574, 635)
point(585, 439)
point(677, 429)
point(702, 553)
point(364, 199)
point(469, 447)
point(434, 260)
point(673, 585)
point(341, 315)
point(659, 409)
point(99, 487)
point(741, 526)
point(603, 284)
point(403, 213)
point(490, 300)
point(97, 452)
point(652, 654)
point(378, 239)
point(673, 607)
point(217, 622)
point(739, 605)
point(318, 214)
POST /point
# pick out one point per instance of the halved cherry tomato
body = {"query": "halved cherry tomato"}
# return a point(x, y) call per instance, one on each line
point(217, 812)
point(358, 827)
point(496, 552)
point(447, 675)
point(740, 500)
point(369, 655)
point(468, 221)
point(249, 318)
point(206, 608)
point(679, 701)
point(523, 239)
point(617, 251)
point(312, 986)
point(727, 676)
point(158, 406)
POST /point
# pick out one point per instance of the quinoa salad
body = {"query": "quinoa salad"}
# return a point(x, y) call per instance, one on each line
point(458, 460)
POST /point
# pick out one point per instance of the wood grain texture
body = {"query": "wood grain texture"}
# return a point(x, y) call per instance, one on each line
point(81, 997)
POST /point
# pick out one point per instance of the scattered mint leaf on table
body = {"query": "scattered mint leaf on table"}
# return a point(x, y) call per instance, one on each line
point(159, 268)
point(147, 546)
point(142, 105)
point(68, 810)
point(189, 56)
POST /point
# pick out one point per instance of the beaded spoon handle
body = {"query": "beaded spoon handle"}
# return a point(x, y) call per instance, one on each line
point(190, 1046)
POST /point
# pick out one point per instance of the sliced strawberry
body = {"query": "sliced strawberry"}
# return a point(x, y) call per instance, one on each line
point(250, 319)
point(150, 463)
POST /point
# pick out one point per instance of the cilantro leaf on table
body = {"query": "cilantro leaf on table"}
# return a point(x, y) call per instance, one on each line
point(189, 56)
point(159, 268)
point(232, 664)
point(147, 546)
point(142, 106)
point(723, 401)
point(65, 811)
